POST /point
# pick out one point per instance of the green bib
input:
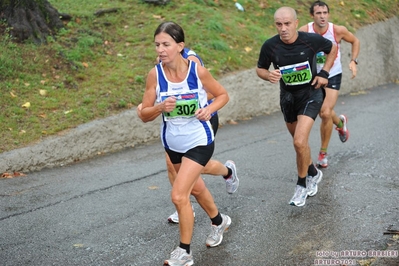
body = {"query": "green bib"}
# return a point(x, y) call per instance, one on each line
point(186, 106)
point(296, 74)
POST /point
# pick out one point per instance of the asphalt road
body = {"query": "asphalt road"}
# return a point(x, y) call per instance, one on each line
point(112, 210)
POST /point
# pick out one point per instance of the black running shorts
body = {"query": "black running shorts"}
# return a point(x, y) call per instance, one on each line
point(199, 154)
point(307, 101)
point(335, 82)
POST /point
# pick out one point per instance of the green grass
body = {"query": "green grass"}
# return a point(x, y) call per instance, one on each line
point(97, 66)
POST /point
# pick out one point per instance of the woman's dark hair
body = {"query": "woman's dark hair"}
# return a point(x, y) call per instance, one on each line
point(174, 31)
point(318, 3)
point(171, 28)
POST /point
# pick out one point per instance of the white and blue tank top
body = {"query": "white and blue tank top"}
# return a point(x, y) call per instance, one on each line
point(180, 129)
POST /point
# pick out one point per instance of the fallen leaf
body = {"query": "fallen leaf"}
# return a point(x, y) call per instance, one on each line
point(357, 93)
point(22, 132)
point(153, 187)
point(26, 105)
point(43, 115)
point(248, 49)
point(262, 5)
point(78, 245)
point(43, 92)
point(12, 175)
point(19, 174)
point(67, 112)
point(86, 65)
point(6, 175)
point(42, 82)
point(26, 84)
point(13, 95)
point(157, 16)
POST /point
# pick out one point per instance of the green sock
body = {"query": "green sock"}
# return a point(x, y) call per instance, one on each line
point(323, 150)
point(340, 124)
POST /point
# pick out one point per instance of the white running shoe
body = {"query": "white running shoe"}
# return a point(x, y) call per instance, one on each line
point(216, 236)
point(233, 182)
point(174, 217)
point(312, 181)
point(343, 132)
point(179, 257)
point(299, 198)
point(322, 160)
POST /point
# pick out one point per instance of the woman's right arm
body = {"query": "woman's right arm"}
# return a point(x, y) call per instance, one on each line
point(150, 110)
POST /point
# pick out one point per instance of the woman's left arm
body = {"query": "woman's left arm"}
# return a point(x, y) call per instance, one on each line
point(212, 86)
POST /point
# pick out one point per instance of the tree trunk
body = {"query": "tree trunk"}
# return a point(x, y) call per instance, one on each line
point(30, 19)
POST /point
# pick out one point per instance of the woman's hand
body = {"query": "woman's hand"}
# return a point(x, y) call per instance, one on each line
point(203, 114)
point(169, 104)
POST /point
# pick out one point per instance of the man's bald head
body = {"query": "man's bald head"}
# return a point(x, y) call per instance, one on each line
point(286, 23)
point(285, 11)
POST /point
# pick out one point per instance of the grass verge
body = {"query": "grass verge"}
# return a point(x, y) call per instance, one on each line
point(97, 65)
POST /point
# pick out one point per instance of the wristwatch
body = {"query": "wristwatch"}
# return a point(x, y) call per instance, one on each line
point(355, 60)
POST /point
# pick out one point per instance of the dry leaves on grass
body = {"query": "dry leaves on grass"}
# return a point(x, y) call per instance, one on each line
point(26, 105)
point(12, 175)
point(232, 122)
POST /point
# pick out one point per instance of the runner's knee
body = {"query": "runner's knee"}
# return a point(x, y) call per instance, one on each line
point(179, 198)
point(325, 113)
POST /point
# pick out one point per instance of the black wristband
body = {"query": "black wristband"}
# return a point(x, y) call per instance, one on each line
point(323, 74)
